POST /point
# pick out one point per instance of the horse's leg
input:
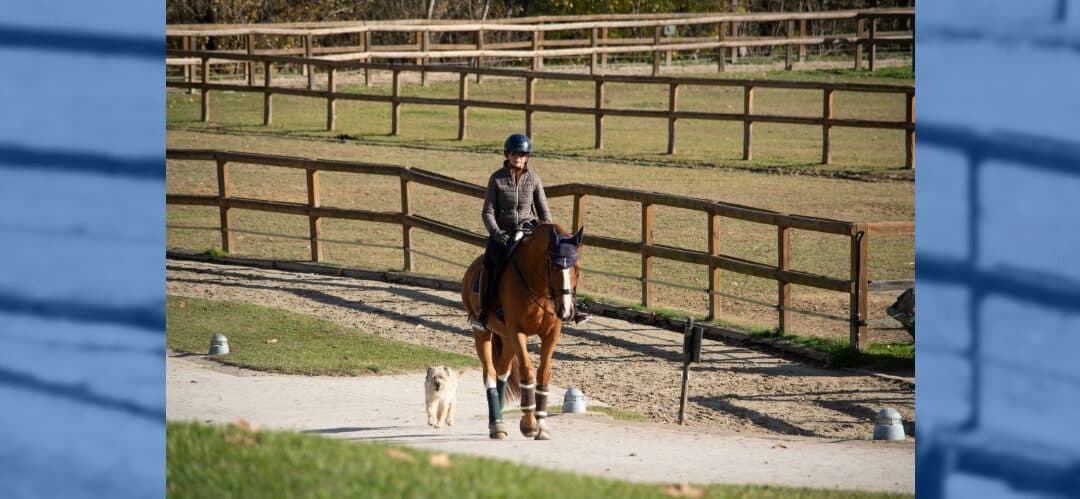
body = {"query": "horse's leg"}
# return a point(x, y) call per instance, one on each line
point(543, 377)
point(496, 428)
point(528, 386)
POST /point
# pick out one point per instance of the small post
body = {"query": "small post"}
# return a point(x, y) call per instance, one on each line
point(857, 336)
point(530, 98)
point(593, 44)
point(310, 69)
point(425, 44)
point(656, 51)
point(909, 136)
point(188, 68)
point(603, 43)
point(536, 51)
point(330, 102)
point(406, 228)
point(826, 126)
point(395, 105)
point(783, 262)
point(860, 28)
point(463, 115)
point(873, 43)
point(579, 211)
point(720, 51)
point(479, 46)
point(268, 101)
point(673, 98)
point(748, 124)
point(224, 190)
point(204, 92)
point(314, 223)
point(714, 271)
point(249, 66)
point(646, 260)
point(599, 144)
point(691, 353)
point(418, 37)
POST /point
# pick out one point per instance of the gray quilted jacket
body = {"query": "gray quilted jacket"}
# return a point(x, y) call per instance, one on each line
point(506, 205)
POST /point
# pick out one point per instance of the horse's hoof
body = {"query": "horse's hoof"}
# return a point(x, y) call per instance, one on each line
point(497, 431)
point(528, 431)
point(543, 435)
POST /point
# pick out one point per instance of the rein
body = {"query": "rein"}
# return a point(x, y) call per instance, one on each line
point(535, 297)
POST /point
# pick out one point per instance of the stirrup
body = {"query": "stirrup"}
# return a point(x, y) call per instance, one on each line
point(476, 324)
point(580, 318)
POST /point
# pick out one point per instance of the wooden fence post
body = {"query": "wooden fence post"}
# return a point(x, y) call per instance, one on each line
point(536, 49)
point(249, 66)
point(860, 26)
point(204, 92)
point(656, 51)
point(330, 103)
point(714, 271)
point(314, 223)
point(593, 44)
point(188, 68)
point(367, 50)
point(802, 34)
point(646, 260)
point(603, 43)
point(479, 46)
point(826, 128)
point(268, 102)
point(783, 262)
point(463, 95)
point(748, 124)
point(406, 229)
point(909, 135)
point(579, 211)
point(425, 44)
point(873, 43)
point(530, 99)
point(721, 51)
point(857, 336)
point(419, 46)
point(673, 98)
point(599, 133)
point(228, 243)
point(789, 63)
point(395, 105)
point(308, 67)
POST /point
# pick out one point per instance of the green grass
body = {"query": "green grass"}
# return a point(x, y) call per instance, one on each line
point(212, 461)
point(878, 356)
point(304, 344)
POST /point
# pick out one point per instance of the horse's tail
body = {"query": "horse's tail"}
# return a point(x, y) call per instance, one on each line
point(513, 383)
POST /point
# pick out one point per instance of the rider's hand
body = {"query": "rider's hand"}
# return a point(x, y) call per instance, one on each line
point(502, 237)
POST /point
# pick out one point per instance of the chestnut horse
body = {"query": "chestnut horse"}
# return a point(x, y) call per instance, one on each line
point(535, 293)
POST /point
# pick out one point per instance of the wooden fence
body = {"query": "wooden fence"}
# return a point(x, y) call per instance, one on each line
point(598, 44)
point(855, 284)
point(827, 120)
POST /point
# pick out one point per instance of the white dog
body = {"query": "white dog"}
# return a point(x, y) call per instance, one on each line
point(440, 390)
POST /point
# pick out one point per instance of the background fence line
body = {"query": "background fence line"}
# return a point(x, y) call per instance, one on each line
point(855, 285)
point(529, 106)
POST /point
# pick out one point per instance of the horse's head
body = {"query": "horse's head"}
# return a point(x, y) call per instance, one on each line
point(563, 270)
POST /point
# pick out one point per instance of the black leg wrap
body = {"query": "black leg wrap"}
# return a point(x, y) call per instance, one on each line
point(500, 385)
point(494, 407)
point(528, 397)
point(541, 401)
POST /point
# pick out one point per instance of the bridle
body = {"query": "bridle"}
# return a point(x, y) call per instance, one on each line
point(553, 294)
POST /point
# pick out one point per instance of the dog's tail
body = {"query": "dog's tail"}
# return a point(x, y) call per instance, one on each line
point(513, 383)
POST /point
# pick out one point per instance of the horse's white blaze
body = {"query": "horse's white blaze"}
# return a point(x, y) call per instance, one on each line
point(567, 300)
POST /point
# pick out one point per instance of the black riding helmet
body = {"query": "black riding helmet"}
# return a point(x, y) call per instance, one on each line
point(518, 142)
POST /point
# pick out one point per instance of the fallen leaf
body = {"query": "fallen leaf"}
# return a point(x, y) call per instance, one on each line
point(683, 490)
point(243, 424)
point(399, 455)
point(780, 445)
point(440, 460)
point(272, 340)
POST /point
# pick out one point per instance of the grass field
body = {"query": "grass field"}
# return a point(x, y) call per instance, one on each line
point(426, 142)
point(214, 461)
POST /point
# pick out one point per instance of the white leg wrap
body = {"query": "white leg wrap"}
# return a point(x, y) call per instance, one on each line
point(538, 392)
point(528, 408)
point(528, 386)
point(488, 382)
point(504, 377)
point(541, 414)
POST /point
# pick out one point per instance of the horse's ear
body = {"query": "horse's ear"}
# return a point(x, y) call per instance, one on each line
point(555, 236)
point(578, 236)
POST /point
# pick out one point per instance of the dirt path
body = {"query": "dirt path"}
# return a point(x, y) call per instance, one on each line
point(632, 367)
point(390, 409)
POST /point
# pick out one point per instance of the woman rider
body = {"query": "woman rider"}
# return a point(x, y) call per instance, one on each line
point(514, 200)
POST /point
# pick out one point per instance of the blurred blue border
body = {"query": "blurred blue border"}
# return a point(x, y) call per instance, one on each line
point(82, 366)
point(997, 198)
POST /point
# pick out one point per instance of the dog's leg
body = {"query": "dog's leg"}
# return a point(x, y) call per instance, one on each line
point(440, 417)
point(431, 406)
point(450, 413)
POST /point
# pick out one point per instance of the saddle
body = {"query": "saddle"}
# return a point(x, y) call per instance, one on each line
point(515, 241)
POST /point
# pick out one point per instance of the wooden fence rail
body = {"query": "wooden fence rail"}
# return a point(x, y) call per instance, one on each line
point(596, 42)
point(748, 117)
point(855, 284)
